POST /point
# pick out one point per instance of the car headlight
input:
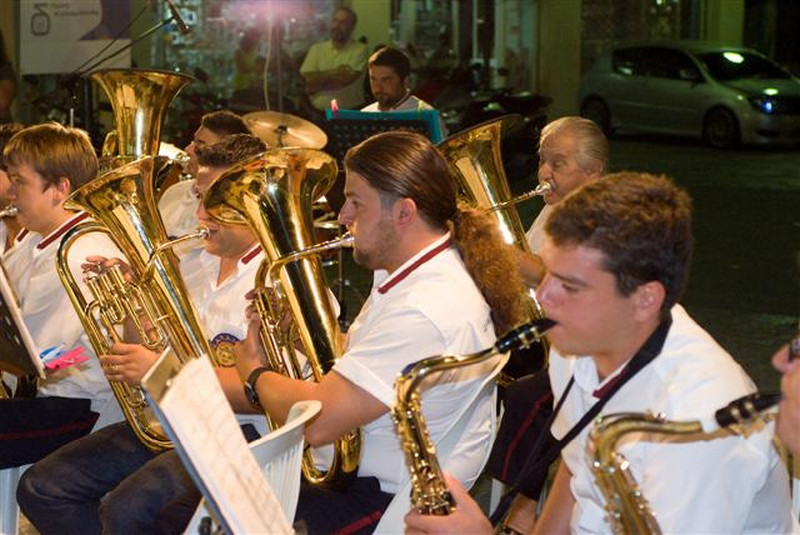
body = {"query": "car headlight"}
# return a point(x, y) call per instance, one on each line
point(763, 103)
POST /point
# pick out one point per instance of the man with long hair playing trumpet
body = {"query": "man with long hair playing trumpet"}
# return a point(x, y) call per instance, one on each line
point(109, 481)
point(444, 282)
point(617, 253)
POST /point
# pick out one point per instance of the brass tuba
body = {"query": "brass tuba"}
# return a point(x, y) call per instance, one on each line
point(122, 204)
point(627, 509)
point(273, 193)
point(429, 493)
point(475, 159)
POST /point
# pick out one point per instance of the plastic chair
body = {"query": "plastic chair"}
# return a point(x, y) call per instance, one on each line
point(280, 453)
point(392, 519)
point(9, 512)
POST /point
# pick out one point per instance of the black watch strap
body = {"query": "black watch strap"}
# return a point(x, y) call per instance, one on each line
point(250, 386)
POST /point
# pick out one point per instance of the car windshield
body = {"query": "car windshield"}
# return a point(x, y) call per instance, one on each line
point(735, 65)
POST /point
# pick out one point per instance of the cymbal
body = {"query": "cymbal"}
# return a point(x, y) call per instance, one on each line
point(283, 130)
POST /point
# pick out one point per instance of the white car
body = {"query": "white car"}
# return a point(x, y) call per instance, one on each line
point(727, 95)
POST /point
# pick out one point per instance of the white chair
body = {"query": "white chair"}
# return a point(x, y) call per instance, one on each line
point(280, 454)
point(392, 519)
point(9, 512)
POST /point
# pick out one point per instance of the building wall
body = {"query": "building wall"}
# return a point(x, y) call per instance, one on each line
point(374, 21)
point(557, 57)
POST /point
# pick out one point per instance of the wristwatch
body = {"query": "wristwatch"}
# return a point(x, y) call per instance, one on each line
point(250, 386)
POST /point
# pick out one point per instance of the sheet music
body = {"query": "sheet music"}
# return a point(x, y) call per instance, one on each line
point(18, 348)
point(207, 430)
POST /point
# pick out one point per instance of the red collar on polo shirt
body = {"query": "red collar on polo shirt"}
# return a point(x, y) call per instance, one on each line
point(399, 276)
point(77, 218)
point(600, 392)
point(22, 233)
point(251, 254)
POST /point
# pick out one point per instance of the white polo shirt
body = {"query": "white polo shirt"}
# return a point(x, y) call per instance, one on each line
point(428, 306)
point(535, 234)
point(178, 209)
point(51, 318)
point(728, 484)
point(17, 259)
point(409, 103)
point(221, 307)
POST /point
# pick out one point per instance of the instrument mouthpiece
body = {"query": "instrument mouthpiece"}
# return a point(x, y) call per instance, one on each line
point(524, 335)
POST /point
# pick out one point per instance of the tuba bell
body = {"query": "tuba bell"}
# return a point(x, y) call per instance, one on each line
point(273, 193)
point(122, 204)
point(474, 157)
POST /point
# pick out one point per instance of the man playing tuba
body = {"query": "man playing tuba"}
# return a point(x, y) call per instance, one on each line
point(444, 282)
point(63, 492)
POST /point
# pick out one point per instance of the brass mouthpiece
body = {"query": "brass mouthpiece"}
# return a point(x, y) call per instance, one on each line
point(542, 189)
point(9, 211)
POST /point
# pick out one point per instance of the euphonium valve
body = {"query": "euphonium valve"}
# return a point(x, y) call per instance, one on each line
point(122, 204)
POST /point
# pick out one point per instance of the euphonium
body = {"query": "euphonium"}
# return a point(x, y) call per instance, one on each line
point(429, 493)
point(628, 511)
point(273, 193)
point(475, 159)
point(122, 204)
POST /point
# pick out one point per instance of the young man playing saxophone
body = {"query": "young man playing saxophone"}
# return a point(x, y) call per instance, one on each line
point(617, 254)
point(109, 481)
point(444, 283)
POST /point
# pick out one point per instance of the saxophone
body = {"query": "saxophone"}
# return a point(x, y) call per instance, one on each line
point(429, 493)
point(627, 509)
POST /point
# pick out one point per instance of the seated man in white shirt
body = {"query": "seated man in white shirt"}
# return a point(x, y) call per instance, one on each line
point(445, 283)
point(177, 204)
point(617, 253)
point(46, 163)
point(110, 481)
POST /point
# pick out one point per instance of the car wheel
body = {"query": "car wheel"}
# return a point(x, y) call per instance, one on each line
point(596, 110)
point(721, 129)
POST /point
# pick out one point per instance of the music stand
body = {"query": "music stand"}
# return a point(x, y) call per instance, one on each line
point(189, 402)
point(18, 354)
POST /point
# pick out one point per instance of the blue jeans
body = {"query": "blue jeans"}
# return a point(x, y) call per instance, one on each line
point(108, 482)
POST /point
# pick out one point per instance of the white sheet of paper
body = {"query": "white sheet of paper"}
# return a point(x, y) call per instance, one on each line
point(206, 427)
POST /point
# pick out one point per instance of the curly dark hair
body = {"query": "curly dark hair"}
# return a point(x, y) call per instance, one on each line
point(224, 123)
point(230, 150)
point(403, 164)
point(642, 223)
